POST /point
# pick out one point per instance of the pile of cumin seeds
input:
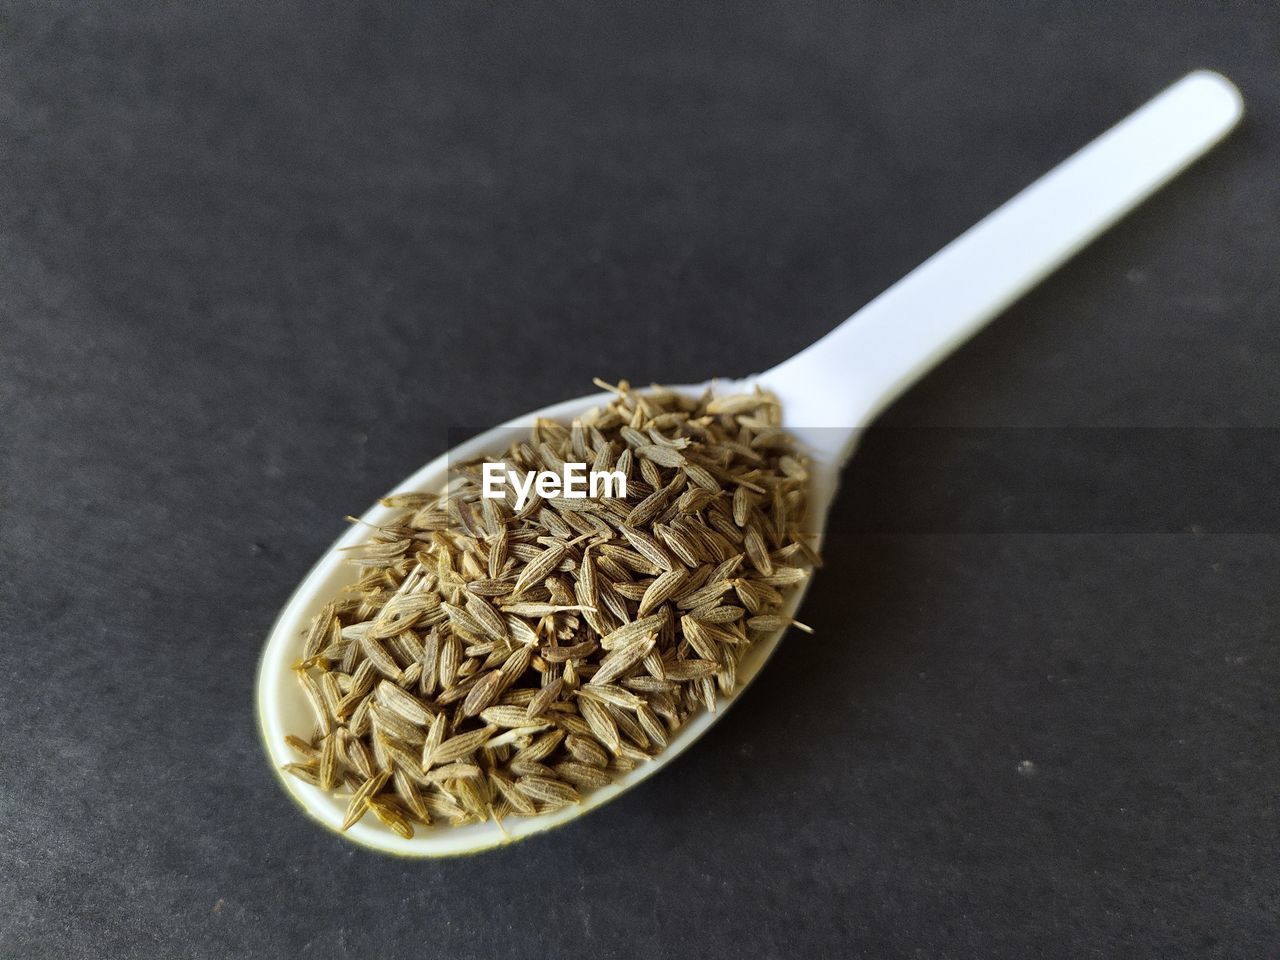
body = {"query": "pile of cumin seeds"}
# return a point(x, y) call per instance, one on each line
point(493, 662)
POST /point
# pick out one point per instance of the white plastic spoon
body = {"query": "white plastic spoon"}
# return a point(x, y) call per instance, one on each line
point(829, 393)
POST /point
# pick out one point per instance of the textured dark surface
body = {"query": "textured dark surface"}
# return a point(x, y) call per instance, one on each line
point(256, 260)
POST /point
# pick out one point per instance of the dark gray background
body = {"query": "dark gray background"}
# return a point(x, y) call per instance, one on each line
point(258, 259)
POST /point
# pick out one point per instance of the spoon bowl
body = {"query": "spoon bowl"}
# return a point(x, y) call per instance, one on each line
point(828, 393)
point(283, 708)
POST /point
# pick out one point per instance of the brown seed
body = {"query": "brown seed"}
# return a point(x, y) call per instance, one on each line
point(756, 552)
point(679, 543)
point(516, 663)
point(561, 654)
point(587, 750)
point(601, 723)
point(647, 547)
point(484, 692)
point(457, 770)
point(328, 761)
point(518, 800)
point(628, 633)
point(741, 506)
point(429, 676)
point(391, 817)
point(582, 774)
point(622, 659)
point(379, 657)
point(652, 726)
point(548, 790)
point(411, 796)
point(463, 745)
point(505, 716)
point(318, 632)
point(450, 659)
point(306, 772)
point(404, 703)
point(435, 737)
point(316, 698)
point(357, 807)
point(609, 693)
point(488, 618)
point(539, 749)
point(394, 725)
point(691, 669)
point(539, 568)
point(662, 589)
point(301, 746)
point(543, 699)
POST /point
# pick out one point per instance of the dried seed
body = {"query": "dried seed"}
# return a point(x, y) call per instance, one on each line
point(608, 693)
point(582, 774)
point(410, 795)
point(662, 455)
point(391, 817)
point(561, 654)
point(505, 716)
point(301, 746)
point(306, 772)
point(357, 806)
point(651, 725)
point(328, 762)
point(587, 750)
point(540, 749)
point(601, 723)
point(404, 703)
point(662, 589)
point(622, 659)
point(396, 726)
point(546, 696)
point(377, 654)
point(484, 692)
point(488, 618)
point(457, 770)
point(647, 547)
point(539, 568)
point(547, 789)
point(455, 748)
point(629, 633)
point(518, 800)
point(450, 660)
point(435, 737)
point(691, 669)
point(756, 552)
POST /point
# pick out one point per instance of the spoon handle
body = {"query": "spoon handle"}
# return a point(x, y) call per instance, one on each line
point(839, 384)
